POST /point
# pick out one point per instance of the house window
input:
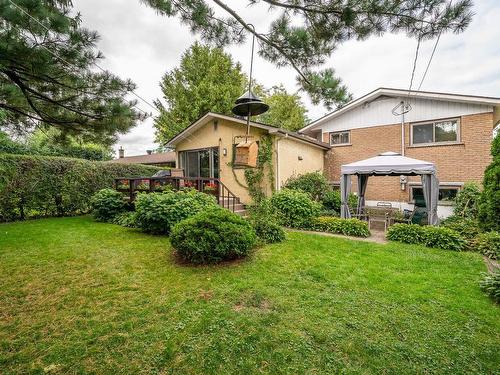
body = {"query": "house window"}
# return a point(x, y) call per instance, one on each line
point(340, 138)
point(435, 132)
point(447, 193)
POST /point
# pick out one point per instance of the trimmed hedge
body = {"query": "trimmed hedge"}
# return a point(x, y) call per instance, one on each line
point(213, 236)
point(430, 236)
point(157, 213)
point(294, 208)
point(37, 186)
point(347, 227)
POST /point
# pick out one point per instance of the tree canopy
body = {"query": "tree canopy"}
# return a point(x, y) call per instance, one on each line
point(302, 34)
point(285, 110)
point(208, 80)
point(48, 77)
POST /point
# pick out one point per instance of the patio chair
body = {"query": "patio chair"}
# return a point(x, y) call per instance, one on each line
point(406, 219)
point(384, 204)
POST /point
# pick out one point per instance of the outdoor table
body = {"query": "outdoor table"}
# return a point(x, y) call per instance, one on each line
point(380, 215)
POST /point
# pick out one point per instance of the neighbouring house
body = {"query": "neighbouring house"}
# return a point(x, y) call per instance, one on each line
point(160, 159)
point(207, 148)
point(452, 131)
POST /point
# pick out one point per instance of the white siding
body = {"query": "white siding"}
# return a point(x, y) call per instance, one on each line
point(379, 112)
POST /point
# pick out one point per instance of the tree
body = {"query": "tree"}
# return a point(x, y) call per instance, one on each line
point(207, 80)
point(285, 110)
point(302, 34)
point(489, 203)
point(48, 76)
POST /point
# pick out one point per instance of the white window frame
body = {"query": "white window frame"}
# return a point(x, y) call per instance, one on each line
point(433, 123)
point(340, 132)
point(442, 185)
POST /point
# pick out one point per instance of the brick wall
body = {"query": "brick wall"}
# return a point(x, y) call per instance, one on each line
point(460, 162)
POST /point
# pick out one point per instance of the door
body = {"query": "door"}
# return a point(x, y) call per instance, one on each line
point(200, 163)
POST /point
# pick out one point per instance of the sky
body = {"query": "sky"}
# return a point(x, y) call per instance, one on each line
point(141, 45)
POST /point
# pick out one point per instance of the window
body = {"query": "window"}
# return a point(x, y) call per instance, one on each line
point(340, 138)
point(447, 193)
point(435, 132)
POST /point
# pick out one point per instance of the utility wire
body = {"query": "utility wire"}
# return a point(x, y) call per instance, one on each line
point(74, 66)
point(430, 60)
point(414, 65)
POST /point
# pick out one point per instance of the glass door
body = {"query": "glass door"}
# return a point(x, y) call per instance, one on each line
point(200, 163)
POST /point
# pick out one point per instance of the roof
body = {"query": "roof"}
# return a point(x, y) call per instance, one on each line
point(158, 158)
point(384, 91)
point(271, 130)
point(389, 163)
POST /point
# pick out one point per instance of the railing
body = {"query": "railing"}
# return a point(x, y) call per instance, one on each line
point(213, 186)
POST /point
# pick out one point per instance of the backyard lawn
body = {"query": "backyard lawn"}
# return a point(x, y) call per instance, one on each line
point(84, 297)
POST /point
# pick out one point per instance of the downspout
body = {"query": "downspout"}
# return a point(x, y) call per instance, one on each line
point(277, 150)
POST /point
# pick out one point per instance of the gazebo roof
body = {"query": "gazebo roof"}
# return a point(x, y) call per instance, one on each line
point(389, 163)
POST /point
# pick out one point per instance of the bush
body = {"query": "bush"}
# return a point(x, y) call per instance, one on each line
point(213, 236)
point(332, 201)
point(430, 236)
point(125, 219)
point(491, 285)
point(157, 213)
point(466, 227)
point(268, 231)
point(489, 202)
point(466, 201)
point(106, 204)
point(36, 186)
point(488, 244)
point(314, 183)
point(347, 227)
point(295, 209)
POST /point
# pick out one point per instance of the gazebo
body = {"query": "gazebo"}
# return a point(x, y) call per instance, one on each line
point(390, 164)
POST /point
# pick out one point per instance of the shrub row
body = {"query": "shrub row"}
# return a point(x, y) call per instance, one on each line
point(430, 236)
point(491, 285)
point(36, 186)
point(347, 227)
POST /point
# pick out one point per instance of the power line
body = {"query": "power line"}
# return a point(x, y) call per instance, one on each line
point(74, 66)
point(414, 64)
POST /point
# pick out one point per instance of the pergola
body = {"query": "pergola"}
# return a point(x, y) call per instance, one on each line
point(390, 164)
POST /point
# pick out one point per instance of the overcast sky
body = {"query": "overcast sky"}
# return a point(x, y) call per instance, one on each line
point(141, 45)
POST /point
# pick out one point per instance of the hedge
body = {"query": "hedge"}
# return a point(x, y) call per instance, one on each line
point(37, 186)
point(347, 227)
point(430, 236)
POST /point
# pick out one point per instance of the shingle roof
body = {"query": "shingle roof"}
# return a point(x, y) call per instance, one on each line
point(158, 158)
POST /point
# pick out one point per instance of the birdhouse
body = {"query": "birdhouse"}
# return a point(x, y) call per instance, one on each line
point(246, 153)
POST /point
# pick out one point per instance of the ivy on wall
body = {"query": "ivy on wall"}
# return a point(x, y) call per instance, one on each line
point(255, 176)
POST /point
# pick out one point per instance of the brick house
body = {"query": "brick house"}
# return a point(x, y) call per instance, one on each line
point(453, 131)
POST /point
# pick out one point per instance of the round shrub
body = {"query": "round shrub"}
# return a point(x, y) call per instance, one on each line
point(268, 231)
point(213, 236)
point(466, 201)
point(157, 213)
point(466, 227)
point(491, 285)
point(106, 204)
point(314, 183)
point(488, 244)
point(294, 208)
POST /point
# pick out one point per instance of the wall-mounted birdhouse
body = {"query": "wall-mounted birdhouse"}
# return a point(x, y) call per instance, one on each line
point(246, 154)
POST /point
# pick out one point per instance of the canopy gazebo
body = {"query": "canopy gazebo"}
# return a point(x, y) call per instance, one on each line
point(390, 164)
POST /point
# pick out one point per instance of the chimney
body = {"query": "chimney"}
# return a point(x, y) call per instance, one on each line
point(121, 153)
point(149, 152)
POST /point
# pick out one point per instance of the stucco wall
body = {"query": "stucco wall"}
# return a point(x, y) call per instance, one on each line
point(290, 152)
point(285, 161)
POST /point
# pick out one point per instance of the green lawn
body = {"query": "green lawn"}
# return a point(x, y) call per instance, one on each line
point(83, 297)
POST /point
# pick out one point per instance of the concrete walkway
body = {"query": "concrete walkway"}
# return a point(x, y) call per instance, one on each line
point(377, 236)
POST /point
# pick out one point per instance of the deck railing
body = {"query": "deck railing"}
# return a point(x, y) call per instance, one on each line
point(212, 186)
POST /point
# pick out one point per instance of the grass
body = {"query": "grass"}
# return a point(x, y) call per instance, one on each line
point(83, 297)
